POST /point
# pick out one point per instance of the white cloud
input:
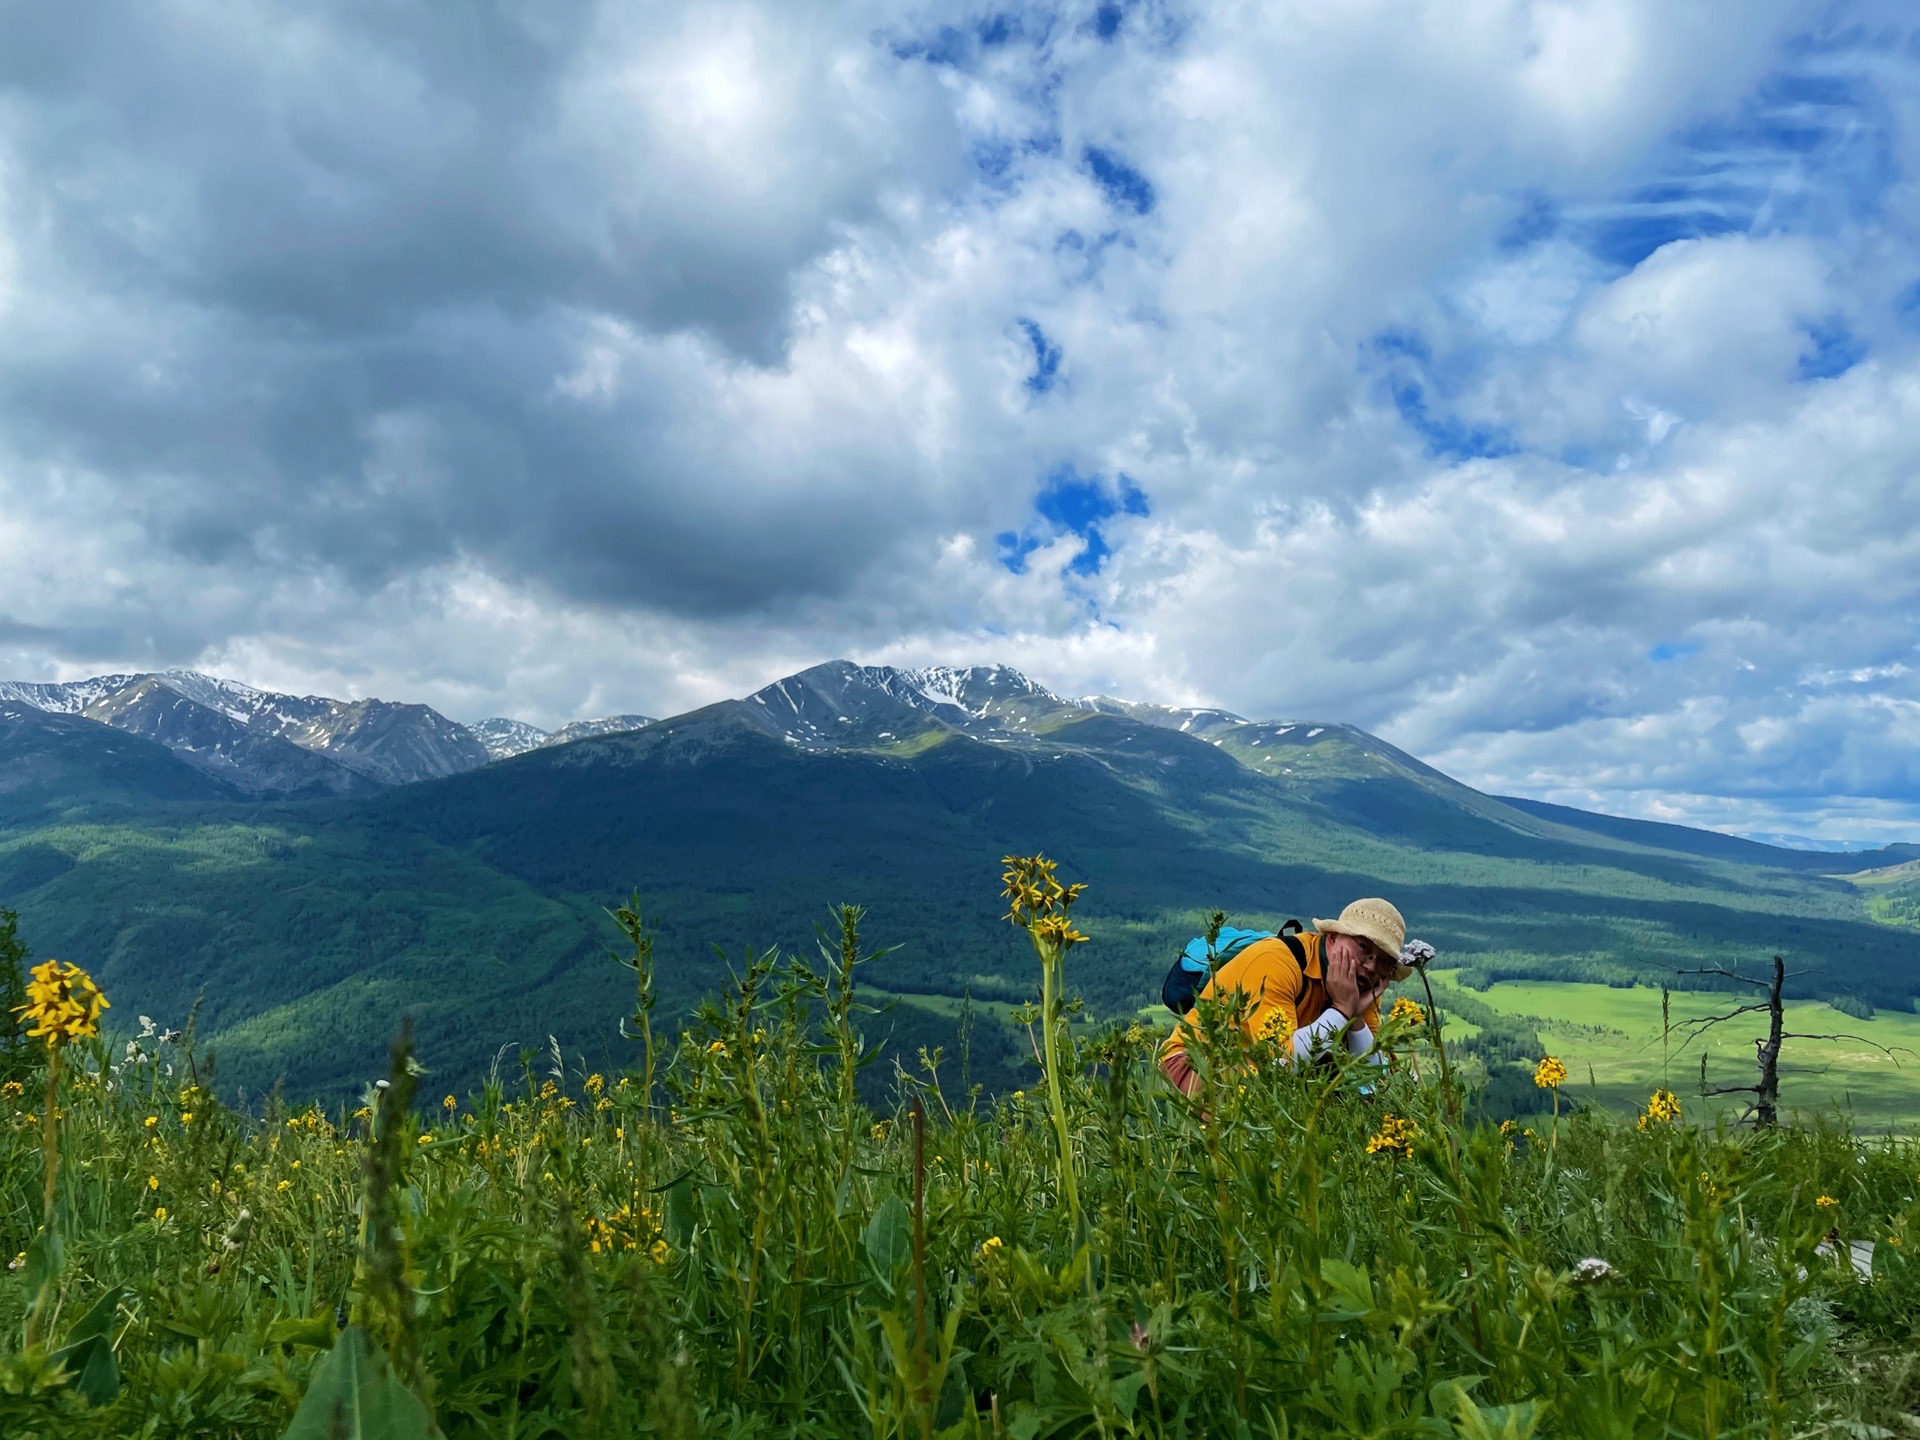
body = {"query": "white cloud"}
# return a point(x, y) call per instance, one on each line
point(1491, 380)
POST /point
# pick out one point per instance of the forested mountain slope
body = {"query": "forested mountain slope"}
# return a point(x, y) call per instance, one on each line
point(476, 901)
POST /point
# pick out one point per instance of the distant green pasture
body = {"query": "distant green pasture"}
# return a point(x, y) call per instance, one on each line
point(1610, 1039)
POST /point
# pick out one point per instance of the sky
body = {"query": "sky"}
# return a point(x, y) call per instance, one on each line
point(1535, 383)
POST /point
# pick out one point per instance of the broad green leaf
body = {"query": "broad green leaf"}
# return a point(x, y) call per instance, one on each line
point(356, 1396)
point(678, 1193)
point(88, 1354)
point(1350, 1286)
point(889, 1237)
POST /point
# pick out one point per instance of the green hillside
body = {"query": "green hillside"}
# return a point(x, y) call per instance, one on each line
point(476, 903)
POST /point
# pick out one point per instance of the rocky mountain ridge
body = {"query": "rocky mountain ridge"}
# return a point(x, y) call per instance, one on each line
point(267, 745)
point(271, 746)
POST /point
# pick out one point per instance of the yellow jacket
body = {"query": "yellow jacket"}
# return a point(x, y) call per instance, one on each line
point(1282, 997)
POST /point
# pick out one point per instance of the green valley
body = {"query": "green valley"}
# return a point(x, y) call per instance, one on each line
point(477, 903)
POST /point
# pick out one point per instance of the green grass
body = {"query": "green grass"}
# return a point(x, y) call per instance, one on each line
point(1610, 1038)
point(553, 1258)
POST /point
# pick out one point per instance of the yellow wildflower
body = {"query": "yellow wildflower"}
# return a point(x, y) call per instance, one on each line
point(449, 1104)
point(160, 1213)
point(13, 1089)
point(991, 1247)
point(63, 1004)
point(1037, 902)
point(659, 1252)
point(1663, 1108)
point(426, 1139)
point(1827, 1202)
point(718, 1047)
point(1407, 1012)
point(1396, 1137)
point(153, 1182)
point(186, 1117)
point(1549, 1074)
point(151, 1121)
point(284, 1186)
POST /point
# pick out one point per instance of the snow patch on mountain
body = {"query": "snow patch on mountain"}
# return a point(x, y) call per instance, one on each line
point(506, 738)
point(604, 725)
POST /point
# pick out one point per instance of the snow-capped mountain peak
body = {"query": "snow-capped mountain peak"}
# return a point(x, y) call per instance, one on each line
point(976, 688)
point(505, 738)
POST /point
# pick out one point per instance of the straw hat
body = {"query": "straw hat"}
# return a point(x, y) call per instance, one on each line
point(1376, 921)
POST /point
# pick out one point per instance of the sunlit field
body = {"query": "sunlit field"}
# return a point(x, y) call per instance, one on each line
point(1611, 1040)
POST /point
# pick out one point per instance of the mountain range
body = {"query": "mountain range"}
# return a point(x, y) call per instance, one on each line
point(268, 746)
point(306, 870)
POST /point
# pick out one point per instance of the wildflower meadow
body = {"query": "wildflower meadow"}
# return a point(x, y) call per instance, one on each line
point(725, 1240)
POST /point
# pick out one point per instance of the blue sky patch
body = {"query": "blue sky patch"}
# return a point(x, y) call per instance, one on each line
point(1410, 383)
point(1810, 151)
point(1665, 653)
point(1125, 187)
point(1832, 349)
point(959, 46)
point(1046, 359)
point(1070, 503)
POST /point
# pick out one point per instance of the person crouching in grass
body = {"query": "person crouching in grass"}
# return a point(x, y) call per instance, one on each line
point(1331, 998)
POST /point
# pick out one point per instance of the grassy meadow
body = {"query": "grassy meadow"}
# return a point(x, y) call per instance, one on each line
point(1611, 1039)
point(724, 1239)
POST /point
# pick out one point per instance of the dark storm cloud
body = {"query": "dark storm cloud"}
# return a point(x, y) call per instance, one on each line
point(306, 285)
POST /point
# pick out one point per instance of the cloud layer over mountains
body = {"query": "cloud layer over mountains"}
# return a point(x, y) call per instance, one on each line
point(1534, 382)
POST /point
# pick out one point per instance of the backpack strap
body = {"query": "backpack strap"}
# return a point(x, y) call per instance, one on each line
point(1290, 937)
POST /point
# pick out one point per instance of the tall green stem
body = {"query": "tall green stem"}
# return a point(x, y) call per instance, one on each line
point(50, 1134)
point(50, 1152)
point(1051, 978)
point(1440, 1049)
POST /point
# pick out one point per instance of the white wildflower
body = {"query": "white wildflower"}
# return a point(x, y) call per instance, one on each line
point(1591, 1271)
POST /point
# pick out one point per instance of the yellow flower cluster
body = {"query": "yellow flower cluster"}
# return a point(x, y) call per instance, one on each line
point(310, 1122)
point(1396, 1137)
point(626, 1229)
point(1827, 1202)
point(1036, 900)
point(1549, 1074)
point(63, 1004)
point(1407, 1012)
point(1663, 1108)
point(990, 1249)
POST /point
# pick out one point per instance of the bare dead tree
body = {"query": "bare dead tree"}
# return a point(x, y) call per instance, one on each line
point(1765, 1110)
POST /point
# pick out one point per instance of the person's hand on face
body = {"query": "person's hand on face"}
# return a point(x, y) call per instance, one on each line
point(1357, 975)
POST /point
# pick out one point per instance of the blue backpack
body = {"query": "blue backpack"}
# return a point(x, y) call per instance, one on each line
point(1197, 962)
